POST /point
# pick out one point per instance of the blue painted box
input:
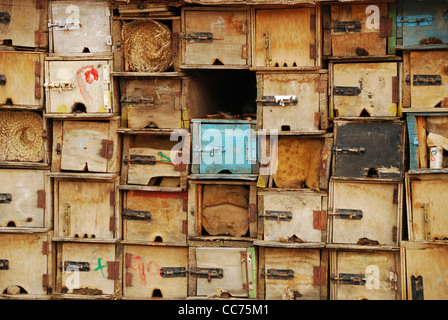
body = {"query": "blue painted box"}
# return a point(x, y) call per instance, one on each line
point(227, 148)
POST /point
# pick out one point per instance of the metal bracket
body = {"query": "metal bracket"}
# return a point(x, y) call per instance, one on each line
point(209, 273)
point(276, 215)
point(417, 288)
point(136, 215)
point(350, 214)
point(75, 266)
point(173, 272)
point(348, 149)
point(427, 80)
point(5, 197)
point(283, 101)
point(139, 159)
point(346, 91)
point(4, 264)
point(280, 274)
point(200, 37)
point(350, 278)
point(346, 26)
point(267, 48)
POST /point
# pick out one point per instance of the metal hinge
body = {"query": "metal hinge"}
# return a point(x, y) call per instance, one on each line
point(74, 266)
point(4, 264)
point(138, 99)
point(209, 273)
point(41, 199)
point(175, 44)
point(281, 100)
point(350, 214)
point(319, 275)
point(108, 149)
point(138, 159)
point(319, 219)
point(173, 272)
point(280, 274)
point(417, 288)
point(427, 80)
point(348, 149)
point(386, 27)
point(267, 48)
point(200, 37)
point(136, 215)
point(346, 91)
point(246, 270)
point(345, 26)
point(63, 25)
point(349, 278)
point(276, 215)
point(113, 270)
point(5, 197)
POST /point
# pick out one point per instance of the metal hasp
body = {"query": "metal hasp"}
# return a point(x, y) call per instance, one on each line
point(346, 26)
point(136, 215)
point(280, 274)
point(75, 266)
point(4, 264)
point(426, 221)
point(5, 197)
point(173, 272)
point(346, 91)
point(427, 80)
point(350, 278)
point(138, 159)
point(417, 288)
point(276, 215)
point(281, 100)
point(208, 273)
point(350, 214)
point(200, 37)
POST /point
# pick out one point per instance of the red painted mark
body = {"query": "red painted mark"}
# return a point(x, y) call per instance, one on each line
point(140, 268)
point(91, 75)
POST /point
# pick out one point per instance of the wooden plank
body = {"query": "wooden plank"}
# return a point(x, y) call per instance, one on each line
point(421, 136)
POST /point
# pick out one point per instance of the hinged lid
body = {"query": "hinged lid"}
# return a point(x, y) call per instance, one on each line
point(136, 215)
point(277, 215)
point(173, 272)
point(280, 274)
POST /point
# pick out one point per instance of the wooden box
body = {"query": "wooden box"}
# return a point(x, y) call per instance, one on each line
point(421, 24)
point(23, 138)
point(87, 270)
point(25, 199)
point(283, 96)
point(224, 148)
point(76, 86)
point(22, 79)
point(78, 27)
point(225, 271)
point(222, 209)
point(365, 89)
point(365, 275)
point(292, 216)
point(425, 131)
point(425, 79)
point(292, 274)
point(25, 266)
point(90, 146)
point(215, 37)
point(295, 161)
point(86, 209)
point(287, 38)
point(369, 149)
point(155, 216)
point(365, 213)
point(360, 29)
point(155, 159)
point(425, 271)
point(159, 272)
point(426, 202)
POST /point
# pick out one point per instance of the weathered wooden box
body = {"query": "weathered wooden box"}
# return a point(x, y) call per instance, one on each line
point(75, 86)
point(292, 102)
point(215, 37)
point(369, 149)
point(25, 266)
point(421, 24)
point(292, 216)
point(77, 27)
point(224, 148)
point(365, 213)
point(425, 271)
point(159, 272)
point(365, 275)
point(25, 199)
point(86, 146)
point(425, 79)
point(222, 272)
point(426, 198)
point(292, 274)
point(156, 159)
point(286, 38)
point(365, 89)
point(86, 209)
point(22, 79)
point(359, 29)
point(222, 209)
point(87, 270)
point(155, 216)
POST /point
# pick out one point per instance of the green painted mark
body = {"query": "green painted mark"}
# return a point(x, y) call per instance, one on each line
point(100, 267)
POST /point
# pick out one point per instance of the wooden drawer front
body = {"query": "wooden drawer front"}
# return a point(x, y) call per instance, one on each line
point(215, 38)
point(23, 23)
point(417, 21)
point(155, 271)
point(86, 268)
point(284, 96)
point(85, 209)
point(293, 274)
point(155, 216)
point(425, 267)
point(365, 213)
point(365, 275)
point(80, 26)
point(232, 269)
point(78, 86)
point(352, 30)
point(368, 149)
point(365, 89)
point(22, 78)
point(152, 103)
point(285, 38)
point(427, 196)
point(24, 263)
point(223, 146)
point(23, 199)
point(291, 216)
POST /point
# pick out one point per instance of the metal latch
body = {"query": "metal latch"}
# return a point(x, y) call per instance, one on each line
point(346, 26)
point(139, 159)
point(62, 25)
point(4, 264)
point(5, 17)
point(346, 91)
point(200, 37)
point(60, 85)
point(417, 287)
point(173, 272)
point(136, 215)
point(75, 266)
point(276, 215)
point(5, 197)
point(138, 99)
point(283, 101)
point(348, 149)
point(280, 274)
point(212, 150)
point(267, 48)
point(426, 220)
point(2, 79)
point(427, 80)
point(413, 21)
point(209, 273)
point(349, 278)
point(350, 214)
